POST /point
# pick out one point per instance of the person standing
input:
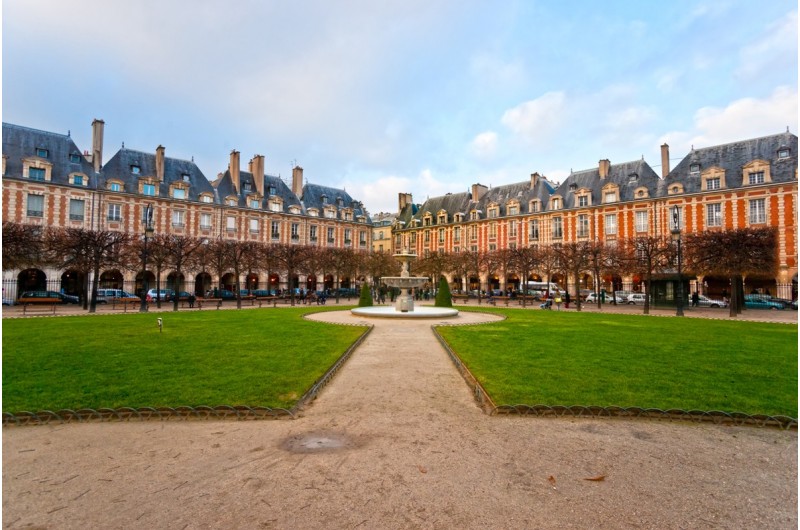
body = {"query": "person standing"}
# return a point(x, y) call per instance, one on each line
point(695, 299)
point(566, 300)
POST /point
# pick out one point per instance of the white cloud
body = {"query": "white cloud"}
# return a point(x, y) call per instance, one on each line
point(775, 48)
point(538, 119)
point(484, 145)
point(747, 118)
point(380, 195)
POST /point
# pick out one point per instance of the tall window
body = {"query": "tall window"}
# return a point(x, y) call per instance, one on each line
point(534, 206)
point(473, 232)
point(205, 221)
point(149, 189)
point(348, 236)
point(76, 208)
point(312, 232)
point(533, 233)
point(493, 230)
point(178, 218)
point(640, 221)
point(558, 228)
point(35, 205)
point(36, 173)
point(275, 231)
point(583, 225)
point(362, 238)
point(758, 211)
point(611, 224)
point(457, 233)
point(230, 224)
point(295, 231)
point(114, 212)
point(441, 235)
point(714, 214)
point(756, 178)
point(512, 229)
point(253, 226)
point(330, 235)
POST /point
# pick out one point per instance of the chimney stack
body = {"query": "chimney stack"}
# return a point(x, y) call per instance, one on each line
point(605, 167)
point(160, 163)
point(664, 160)
point(478, 191)
point(403, 200)
point(97, 144)
point(234, 169)
point(534, 179)
point(257, 169)
point(297, 181)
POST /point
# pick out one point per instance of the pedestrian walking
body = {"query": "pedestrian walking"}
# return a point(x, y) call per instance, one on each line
point(695, 299)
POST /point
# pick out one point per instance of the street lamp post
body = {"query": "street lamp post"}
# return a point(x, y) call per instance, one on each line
point(147, 221)
point(676, 236)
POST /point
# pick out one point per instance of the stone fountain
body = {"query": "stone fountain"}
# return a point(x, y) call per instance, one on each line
point(404, 305)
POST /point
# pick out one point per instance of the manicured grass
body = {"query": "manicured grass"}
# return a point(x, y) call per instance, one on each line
point(569, 358)
point(258, 357)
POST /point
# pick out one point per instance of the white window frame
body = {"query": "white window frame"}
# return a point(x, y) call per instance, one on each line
point(611, 224)
point(114, 212)
point(714, 214)
point(179, 218)
point(757, 211)
point(641, 221)
point(205, 220)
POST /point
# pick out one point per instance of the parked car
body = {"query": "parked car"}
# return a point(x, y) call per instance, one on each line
point(65, 298)
point(758, 301)
point(165, 295)
point(636, 299)
point(8, 301)
point(262, 292)
point(704, 301)
point(106, 296)
point(621, 296)
point(591, 298)
point(787, 304)
point(184, 296)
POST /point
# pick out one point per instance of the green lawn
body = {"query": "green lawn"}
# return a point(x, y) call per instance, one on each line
point(263, 357)
point(569, 358)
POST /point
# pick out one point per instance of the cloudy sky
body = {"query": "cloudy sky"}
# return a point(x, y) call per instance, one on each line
point(415, 96)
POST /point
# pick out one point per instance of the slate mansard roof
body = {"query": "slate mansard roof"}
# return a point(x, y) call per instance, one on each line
point(119, 168)
point(23, 142)
point(317, 196)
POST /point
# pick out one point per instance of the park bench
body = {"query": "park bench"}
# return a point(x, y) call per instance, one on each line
point(39, 305)
point(208, 301)
point(124, 304)
point(463, 297)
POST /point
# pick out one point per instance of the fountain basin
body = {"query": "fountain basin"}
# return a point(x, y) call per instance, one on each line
point(424, 311)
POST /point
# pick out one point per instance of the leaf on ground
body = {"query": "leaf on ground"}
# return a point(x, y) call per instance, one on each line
point(598, 478)
point(552, 480)
point(422, 469)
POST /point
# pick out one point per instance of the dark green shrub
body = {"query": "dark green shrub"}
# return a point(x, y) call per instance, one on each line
point(443, 298)
point(366, 296)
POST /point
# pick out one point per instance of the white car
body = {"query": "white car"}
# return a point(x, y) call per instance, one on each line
point(704, 301)
point(636, 299)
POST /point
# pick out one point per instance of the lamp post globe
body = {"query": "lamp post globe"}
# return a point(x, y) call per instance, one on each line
point(676, 236)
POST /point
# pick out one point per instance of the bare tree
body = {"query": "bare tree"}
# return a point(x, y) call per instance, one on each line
point(291, 258)
point(179, 251)
point(23, 246)
point(87, 251)
point(646, 256)
point(734, 254)
point(574, 259)
point(526, 260)
point(237, 254)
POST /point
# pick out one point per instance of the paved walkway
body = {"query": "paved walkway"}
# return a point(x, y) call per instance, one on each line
point(396, 441)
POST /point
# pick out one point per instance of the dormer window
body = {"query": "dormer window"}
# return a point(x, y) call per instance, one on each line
point(206, 198)
point(272, 191)
point(583, 201)
point(136, 170)
point(573, 187)
point(36, 173)
point(535, 206)
point(324, 199)
point(633, 177)
point(246, 186)
point(114, 186)
point(513, 209)
point(473, 215)
point(255, 203)
point(757, 177)
point(179, 193)
point(493, 212)
point(41, 152)
point(75, 158)
point(694, 169)
point(231, 202)
point(783, 152)
point(78, 180)
point(185, 177)
point(148, 189)
point(339, 202)
point(556, 203)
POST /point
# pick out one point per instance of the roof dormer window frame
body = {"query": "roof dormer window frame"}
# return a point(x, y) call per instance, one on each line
point(756, 172)
point(694, 168)
point(136, 169)
point(206, 197)
point(42, 152)
point(556, 202)
point(712, 178)
point(115, 185)
point(79, 179)
point(535, 205)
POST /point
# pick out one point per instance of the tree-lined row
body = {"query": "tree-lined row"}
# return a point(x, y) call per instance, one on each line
point(92, 251)
point(732, 254)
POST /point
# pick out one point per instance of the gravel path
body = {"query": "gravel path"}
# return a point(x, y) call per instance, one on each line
point(396, 441)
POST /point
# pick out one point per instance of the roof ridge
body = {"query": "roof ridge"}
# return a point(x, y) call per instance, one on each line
point(6, 124)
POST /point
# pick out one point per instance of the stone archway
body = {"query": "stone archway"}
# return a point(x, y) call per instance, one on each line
point(31, 280)
point(74, 282)
point(112, 279)
point(202, 284)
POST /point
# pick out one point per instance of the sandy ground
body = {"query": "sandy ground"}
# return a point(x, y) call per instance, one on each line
point(397, 441)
